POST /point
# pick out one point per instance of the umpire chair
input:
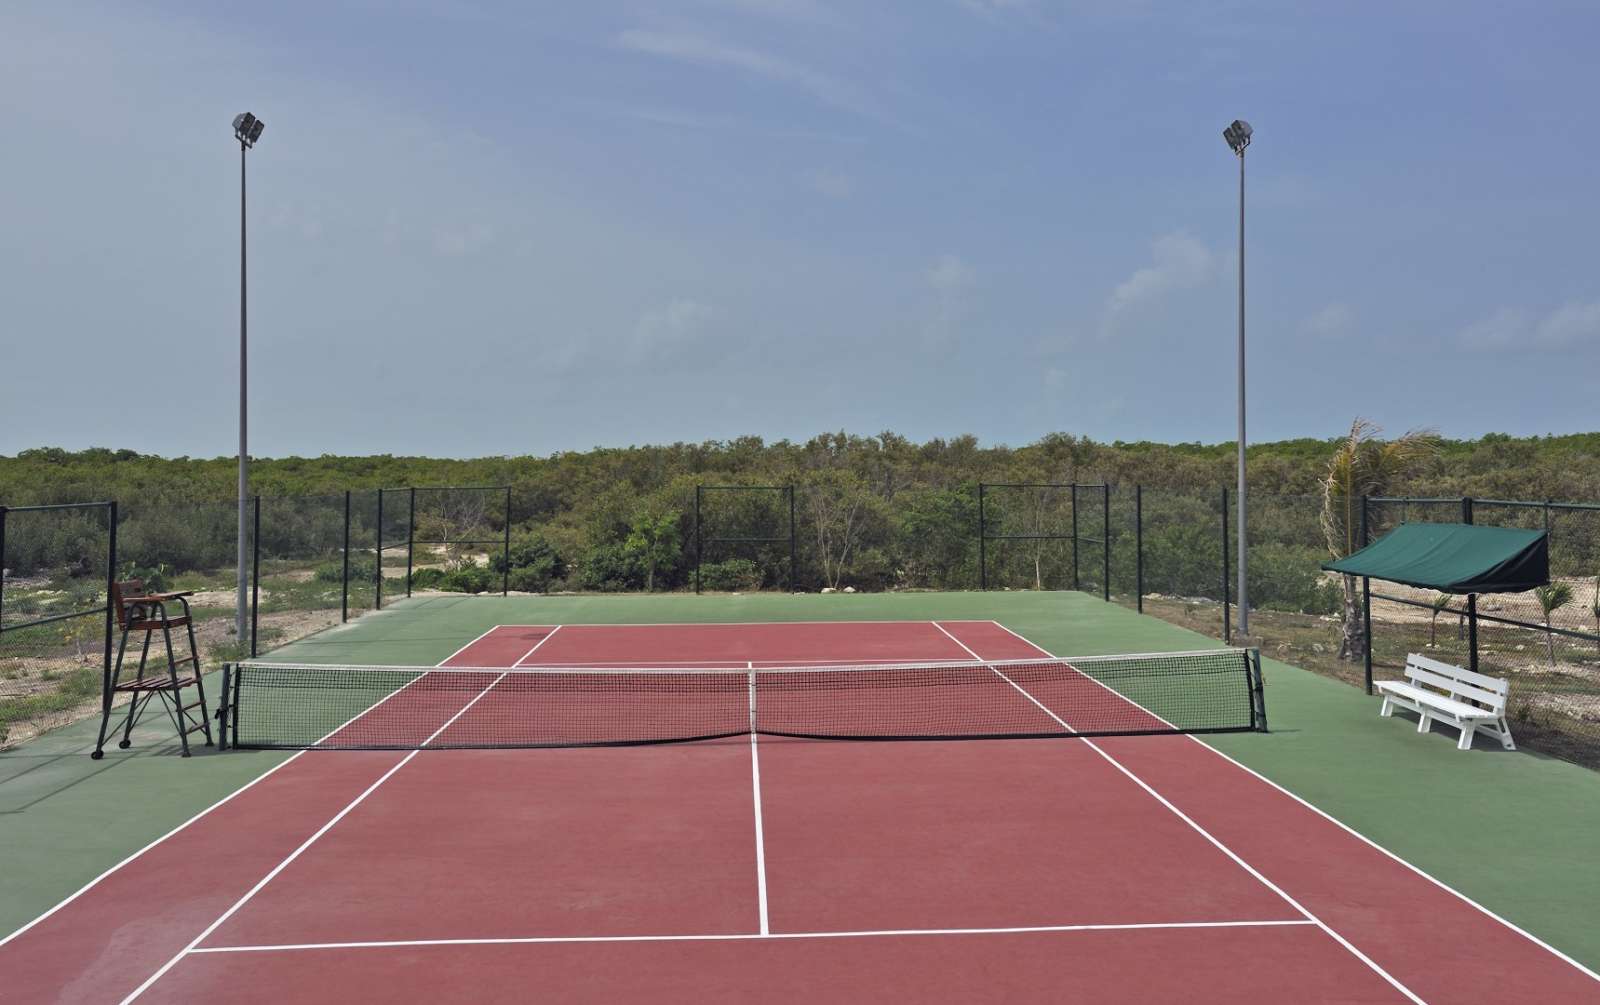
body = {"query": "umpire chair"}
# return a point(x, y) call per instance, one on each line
point(147, 613)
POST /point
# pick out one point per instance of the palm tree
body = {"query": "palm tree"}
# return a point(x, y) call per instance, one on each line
point(1440, 603)
point(1551, 599)
point(1363, 465)
point(1594, 605)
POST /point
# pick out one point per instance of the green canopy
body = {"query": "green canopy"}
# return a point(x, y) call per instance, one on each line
point(1454, 558)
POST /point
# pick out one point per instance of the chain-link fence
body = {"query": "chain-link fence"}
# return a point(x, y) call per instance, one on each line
point(1044, 536)
point(744, 537)
point(56, 563)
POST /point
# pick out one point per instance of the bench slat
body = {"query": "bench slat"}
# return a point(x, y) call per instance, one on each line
point(1491, 698)
point(1437, 701)
point(1459, 673)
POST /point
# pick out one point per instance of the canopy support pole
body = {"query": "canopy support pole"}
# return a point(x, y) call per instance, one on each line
point(1472, 600)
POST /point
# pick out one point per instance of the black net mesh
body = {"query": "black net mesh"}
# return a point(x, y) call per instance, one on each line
point(297, 706)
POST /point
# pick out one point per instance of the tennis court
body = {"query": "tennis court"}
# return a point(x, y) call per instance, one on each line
point(757, 863)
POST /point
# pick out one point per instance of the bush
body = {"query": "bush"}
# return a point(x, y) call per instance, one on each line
point(362, 570)
point(609, 568)
point(732, 576)
point(535, 565)
point(1286, 578)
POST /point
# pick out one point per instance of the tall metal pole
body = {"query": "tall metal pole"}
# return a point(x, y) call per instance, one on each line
point(241, 601)
point(1244, 586)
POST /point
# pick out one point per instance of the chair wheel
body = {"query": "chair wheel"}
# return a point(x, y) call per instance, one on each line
point(97, 755)
point(125, 744)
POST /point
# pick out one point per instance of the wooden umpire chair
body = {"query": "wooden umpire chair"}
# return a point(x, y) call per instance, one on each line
point(148, 613)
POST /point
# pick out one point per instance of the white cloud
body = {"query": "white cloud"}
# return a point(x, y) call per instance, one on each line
point(1178, 262)
point(691, 48)
point(1515, 329)
point(1333, 320)
point(807, 11)
point(950, 275)
point(454, 242)
point(832, 184)
point(662, 331)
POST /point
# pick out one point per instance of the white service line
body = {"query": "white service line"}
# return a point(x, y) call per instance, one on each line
point(751, 936)
point(755, 784)
point(85, 888)
point(1361, 837)
point(550, 635)
point(357, 801)
point(1215, 842)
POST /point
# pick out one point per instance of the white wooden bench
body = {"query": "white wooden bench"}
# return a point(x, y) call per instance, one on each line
point(1472, 702)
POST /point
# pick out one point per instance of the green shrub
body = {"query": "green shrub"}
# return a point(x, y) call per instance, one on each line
point(362, 569)
point(609, 567)
point(535, 565)
point(731, 576)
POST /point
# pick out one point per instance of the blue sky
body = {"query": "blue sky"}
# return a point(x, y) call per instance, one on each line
point(486, 228)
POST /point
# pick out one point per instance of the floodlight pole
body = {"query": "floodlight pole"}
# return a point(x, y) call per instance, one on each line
point(246, 129)
point(1238, 136)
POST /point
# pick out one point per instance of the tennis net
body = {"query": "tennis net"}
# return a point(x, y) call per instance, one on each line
point(322, 707)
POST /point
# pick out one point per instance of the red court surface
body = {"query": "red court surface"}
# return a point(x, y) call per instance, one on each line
point(1141, 869)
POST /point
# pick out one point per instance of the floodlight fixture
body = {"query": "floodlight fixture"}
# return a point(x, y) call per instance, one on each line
point(1238, 136)
point(247, 129)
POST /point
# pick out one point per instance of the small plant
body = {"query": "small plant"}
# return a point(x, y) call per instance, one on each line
point(154, 577)
point(1439, 605)
point(1552, 598)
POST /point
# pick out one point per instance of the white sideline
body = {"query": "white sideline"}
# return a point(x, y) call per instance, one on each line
point(220, 802)
point(547, 637)
point(225, 915)
point(1215, 842)
point(1441, 884)
point(755, 784)
point(752, 936)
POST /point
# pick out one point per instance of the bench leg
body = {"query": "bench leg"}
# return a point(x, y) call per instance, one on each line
point(1424, 722)
point(1387, 708)
point(1505, 735)
point(1468, 731)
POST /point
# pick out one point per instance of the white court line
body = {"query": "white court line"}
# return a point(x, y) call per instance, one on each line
point(548, 636)
point(186, 950)
point(751, 936)
point(755, 783)
point(1364, 839)
point(220, 802)
point(1238, 860)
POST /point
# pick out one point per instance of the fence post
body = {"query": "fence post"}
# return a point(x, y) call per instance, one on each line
point(697, 548)
point(344, 579)
point(983, 544)
point(1366, 596)
point(1075, 535)
point(111, 613)
point(255, 574)
point(505, 575)
point(1472, 600)
point(411, 535)
point(1138, 547)
point(1227, 621)
point(792, 550)
point(1105, 534)
point(3, 570)
point(377, 604)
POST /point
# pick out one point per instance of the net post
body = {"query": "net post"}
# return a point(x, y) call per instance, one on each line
point(411, 535)
point(1227, 625)
point(505, 575)
point(697, 547)
point(793, 552)
point(1258, 695)
point(344, 578)
point(983, 544)
point(1075, 536)
point(1138, 547)
point(1105, 539)
point(255, 574)
point(377, 586)
point(222, 706)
